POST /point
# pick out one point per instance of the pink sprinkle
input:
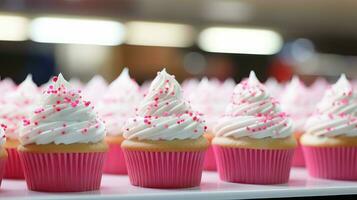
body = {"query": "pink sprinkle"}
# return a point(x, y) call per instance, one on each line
point(166, 126)
point(26, 122)
point(54, 79)
point(86, 103)
point(58, 109)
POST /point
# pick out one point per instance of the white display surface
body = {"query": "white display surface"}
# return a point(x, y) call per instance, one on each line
point(118, 187)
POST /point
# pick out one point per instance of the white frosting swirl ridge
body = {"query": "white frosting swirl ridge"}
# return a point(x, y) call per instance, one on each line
point(211, 98)
point(18, 105)
point(163, 114)
point(293, 103)
point(95, 89)
point(253, 113)
point(118, 104)
point(336, 114)
point(2, 137)
point(62, 118)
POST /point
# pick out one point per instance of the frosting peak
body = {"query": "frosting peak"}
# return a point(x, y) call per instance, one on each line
point(336, 114)
point(26, 93)
point(296, 102)
point(118, 103)
point(253, 113)
point(253, 80)
point(63, 117)
point(163, 114)
point(17, 105)
point(95, 88)
point(164, 95)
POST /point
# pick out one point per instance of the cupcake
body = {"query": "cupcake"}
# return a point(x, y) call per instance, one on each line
point(299, 109)
point(18, 104)
point(330, 141)
point(117, 105)
point(62, 144)
point(253, 142)
point(164, 145)
point(95, 89)
point(209, 100)
point(3, 154)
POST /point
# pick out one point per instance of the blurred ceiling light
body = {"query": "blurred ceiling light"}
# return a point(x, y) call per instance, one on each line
point(77, 31)
point(159, 34)
point(13, 28)
point(240, 40)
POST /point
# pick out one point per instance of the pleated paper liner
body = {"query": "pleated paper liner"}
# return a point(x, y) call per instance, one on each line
point(2, 168)
point(13, 169)
point(114, 162)
point(331, 162)
point(298, 159)
point(164, 169)
point(253, 166)
point(210, 161)
point(63, 172)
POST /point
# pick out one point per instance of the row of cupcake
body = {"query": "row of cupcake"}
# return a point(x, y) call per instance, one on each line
point(166, 135)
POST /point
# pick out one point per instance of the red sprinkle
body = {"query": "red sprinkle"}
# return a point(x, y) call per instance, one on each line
point(54, 79)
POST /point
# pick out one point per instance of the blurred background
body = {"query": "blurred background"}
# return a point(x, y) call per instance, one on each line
point(213, 38)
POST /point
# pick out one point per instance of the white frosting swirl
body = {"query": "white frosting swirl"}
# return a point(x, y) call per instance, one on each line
point(336, 114)
point(118, 104)
point(95, 89)
point(210, 98)
point(18, 105)
point(26, 94)
point(2, 137)
point(253, 113)
point(300, 109)
point(62, 118)
point(11, 116)
point(274, 88)
point(7, 85)
point(163, 114)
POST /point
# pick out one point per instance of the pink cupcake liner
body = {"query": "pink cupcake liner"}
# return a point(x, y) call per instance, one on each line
point(210, 161)
point(164, 169)
point(63, 172)
point(298, 159)
point(254, 166)
point(2, 168)
point(331, 162)
point(13, 169)
point(115, 162)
